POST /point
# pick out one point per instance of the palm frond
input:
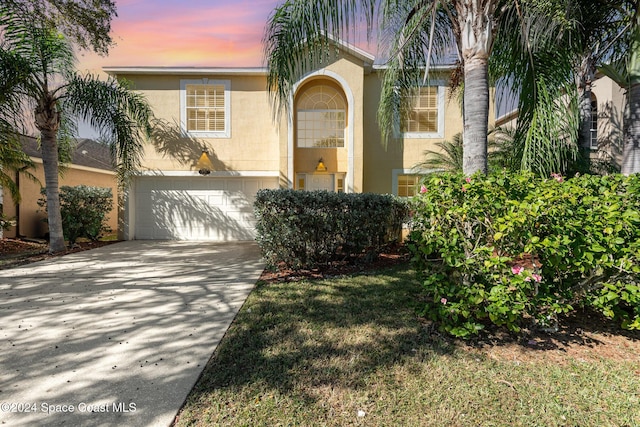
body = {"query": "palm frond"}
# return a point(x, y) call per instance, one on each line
point(421, 34)
point(299, 38)
point(447, 158)
point(122, 117)
point(12, 160)
point(86, 22)
point(546, 140)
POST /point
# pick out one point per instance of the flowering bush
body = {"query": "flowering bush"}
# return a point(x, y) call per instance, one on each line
point(511, 248)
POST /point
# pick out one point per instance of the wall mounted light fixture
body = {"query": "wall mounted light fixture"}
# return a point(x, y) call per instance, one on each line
point(321, 167)
point(204, 164)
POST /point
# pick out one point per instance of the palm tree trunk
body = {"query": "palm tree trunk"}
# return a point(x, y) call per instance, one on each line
point(476, 115)
point(631, 150)
point(47, 122)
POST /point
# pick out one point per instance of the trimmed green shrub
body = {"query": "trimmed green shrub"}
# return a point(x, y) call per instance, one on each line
point(511, 248)
point(305, 228)
point(84, 211)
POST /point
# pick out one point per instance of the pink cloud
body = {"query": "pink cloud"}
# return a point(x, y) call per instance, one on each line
point(180, 33)
point(173, 33)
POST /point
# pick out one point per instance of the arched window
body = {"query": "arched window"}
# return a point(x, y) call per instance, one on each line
point(321, 117)
point(593, 143)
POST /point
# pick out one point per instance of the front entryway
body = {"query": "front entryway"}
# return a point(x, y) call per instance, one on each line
point(321, 182)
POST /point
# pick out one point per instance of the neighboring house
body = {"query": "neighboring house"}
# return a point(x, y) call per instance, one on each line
point(608, 102)
point(607, 111)
point(330, 141)
point(91, 165)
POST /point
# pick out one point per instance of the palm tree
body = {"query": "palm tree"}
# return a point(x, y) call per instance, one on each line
point(539, 76)
point(449, 157)
point(41, 81)
point(297, 39)
point(626, 73)
point(590, 33)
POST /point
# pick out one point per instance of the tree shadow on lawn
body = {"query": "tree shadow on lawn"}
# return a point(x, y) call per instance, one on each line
point(300, 337)
point(296, 336)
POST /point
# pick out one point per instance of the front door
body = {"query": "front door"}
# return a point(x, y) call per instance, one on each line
point(320, 182)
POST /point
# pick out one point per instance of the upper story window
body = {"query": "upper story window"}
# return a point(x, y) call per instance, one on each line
point(205, 108)
point(321, 117)
point(426, 118)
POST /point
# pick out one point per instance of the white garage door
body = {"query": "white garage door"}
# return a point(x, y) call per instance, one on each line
point(197, 208)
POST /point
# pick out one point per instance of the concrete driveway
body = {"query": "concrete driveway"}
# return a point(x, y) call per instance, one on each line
point(118, 335)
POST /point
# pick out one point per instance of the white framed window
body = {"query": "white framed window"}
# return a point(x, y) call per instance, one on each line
point(407, 185)
point(321, 113)
point(593, 142)
point(406, 182)
point(205, 108)
point(426, 118)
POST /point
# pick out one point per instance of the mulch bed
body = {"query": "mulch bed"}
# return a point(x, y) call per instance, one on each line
point(582, 336)
point(393, 255)
point(16, 252)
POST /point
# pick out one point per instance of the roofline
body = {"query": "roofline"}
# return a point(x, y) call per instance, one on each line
point(354, 50)
point(76, 166)
point(507, 117)
point(245, 71)
point(440, 67)
point(240, 71)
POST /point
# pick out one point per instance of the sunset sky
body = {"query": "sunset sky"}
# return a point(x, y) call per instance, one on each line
point(185, 33)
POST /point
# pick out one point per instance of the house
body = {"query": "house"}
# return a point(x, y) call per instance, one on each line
point(90, 165)
point(329, 141)
point(608, 102)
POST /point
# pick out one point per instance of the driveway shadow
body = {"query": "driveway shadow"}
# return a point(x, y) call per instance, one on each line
point(124, 330)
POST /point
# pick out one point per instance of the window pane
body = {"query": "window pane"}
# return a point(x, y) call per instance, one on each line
point(205, 107)
point(423, 118)
point(407, 185)
point(321, 117)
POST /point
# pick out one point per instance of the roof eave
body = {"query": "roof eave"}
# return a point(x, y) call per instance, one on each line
point(246, 71)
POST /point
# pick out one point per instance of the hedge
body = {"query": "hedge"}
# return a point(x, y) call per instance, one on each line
point(305, 228)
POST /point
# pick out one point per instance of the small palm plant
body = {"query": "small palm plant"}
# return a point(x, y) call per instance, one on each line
point(448, 156)
point(12, 161)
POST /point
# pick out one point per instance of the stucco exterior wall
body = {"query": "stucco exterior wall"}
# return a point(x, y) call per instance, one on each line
point(30, 223)
point(253, 142)
point(382, 158)
point(611, 102)
point(259, 143)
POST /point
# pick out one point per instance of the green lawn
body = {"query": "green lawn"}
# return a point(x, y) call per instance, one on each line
point(351, 351)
